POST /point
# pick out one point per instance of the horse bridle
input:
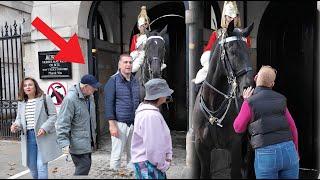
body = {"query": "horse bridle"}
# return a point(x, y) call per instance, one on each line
point(154, 58)
point(232, 80)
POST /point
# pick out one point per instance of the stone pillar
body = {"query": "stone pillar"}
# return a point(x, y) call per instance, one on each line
point(317, 76)
point(194, 22)
point(63, 18)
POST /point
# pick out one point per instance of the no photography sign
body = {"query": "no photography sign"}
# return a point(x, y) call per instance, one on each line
point(57, 92)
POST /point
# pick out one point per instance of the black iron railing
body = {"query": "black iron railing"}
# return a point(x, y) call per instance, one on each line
point(11, 73)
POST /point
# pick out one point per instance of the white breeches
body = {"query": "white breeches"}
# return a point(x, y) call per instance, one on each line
point(137, 57)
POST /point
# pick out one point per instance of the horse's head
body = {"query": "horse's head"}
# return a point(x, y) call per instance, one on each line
point(155, 53)
point(231, 61)
point(230, 71)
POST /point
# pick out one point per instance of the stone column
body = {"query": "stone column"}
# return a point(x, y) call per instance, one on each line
point(66, 18)
point(317, 76)
point(194, 22)
point(63, 18)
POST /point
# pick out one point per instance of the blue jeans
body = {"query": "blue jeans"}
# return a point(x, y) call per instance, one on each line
point(277, 161)
point(38, 169)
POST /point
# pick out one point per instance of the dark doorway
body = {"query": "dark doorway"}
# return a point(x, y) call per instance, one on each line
point(175, 73)
point(103, 52)
point(285, 41)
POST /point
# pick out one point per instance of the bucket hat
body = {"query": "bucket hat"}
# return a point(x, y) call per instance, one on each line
point(156, 88)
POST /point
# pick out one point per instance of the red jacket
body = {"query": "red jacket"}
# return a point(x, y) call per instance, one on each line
point(213, 39)
point(133, 43)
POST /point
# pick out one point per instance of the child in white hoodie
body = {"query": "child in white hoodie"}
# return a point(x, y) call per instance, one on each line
point(151, 144)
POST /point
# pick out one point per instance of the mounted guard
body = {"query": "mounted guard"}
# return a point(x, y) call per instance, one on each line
point(230, 12)
point(138, 42)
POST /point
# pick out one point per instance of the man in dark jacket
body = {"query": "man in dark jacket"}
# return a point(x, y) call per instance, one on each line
point(121, 100)
point(274, 135)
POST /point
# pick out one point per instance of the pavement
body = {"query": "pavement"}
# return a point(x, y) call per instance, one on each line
point(10, 161)
point(63, 168)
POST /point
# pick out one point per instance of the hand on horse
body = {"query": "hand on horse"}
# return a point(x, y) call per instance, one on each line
point(247, 92)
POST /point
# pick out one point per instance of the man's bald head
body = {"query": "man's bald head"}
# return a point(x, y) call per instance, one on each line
point(266, 76)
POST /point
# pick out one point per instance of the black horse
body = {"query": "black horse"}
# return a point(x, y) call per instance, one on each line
point(217, 103)
point(155, 55)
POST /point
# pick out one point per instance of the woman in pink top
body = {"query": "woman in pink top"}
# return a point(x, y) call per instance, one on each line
point(274, 136)
point(151, 146)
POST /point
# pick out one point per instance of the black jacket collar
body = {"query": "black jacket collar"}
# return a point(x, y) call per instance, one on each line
point(261, 88)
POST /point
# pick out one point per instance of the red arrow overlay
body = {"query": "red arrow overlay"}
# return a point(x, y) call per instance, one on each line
point(69, 51)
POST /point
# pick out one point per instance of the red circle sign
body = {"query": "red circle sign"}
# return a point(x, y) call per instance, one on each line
point(57, 92)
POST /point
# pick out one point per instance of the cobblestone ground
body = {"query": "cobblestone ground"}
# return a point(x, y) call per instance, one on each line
point(100, 162)
point(10, 160)
point(10, 163)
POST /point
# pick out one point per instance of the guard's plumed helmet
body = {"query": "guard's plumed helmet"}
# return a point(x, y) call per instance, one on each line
point(143, 17)
point(230, 9)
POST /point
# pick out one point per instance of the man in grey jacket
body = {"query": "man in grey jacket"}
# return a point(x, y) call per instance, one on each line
point(76, 123)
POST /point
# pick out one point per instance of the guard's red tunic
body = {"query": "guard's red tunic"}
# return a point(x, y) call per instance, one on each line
point(133, 42)
point(213, 38)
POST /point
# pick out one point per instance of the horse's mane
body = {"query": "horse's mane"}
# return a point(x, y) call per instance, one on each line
point(214, 57)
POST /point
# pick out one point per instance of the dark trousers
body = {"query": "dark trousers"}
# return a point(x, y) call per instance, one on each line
point(82, 163)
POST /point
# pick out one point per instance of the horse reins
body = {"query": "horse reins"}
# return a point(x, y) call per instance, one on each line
point(232, 80)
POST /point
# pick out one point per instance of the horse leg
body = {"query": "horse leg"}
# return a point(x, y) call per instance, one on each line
point(204, 155)
point(196, 166)
point(249, 161)
point(236, 157)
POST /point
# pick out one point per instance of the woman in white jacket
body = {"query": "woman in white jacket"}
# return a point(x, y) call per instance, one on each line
point(151, 145)
point(36, 117)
